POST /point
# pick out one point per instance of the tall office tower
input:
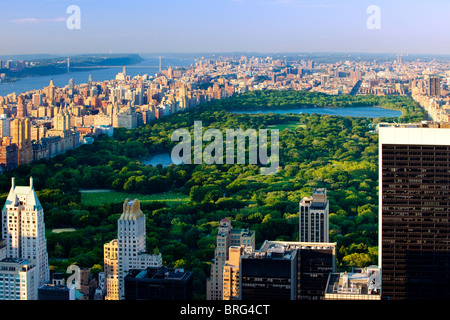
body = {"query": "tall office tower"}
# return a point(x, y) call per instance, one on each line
point(434, 86)
point(131, 243)
point(19, 279)
point(21, 108)
point(90, 79)
point(314, 217)
point(227, 236)
point(414, 228)
point(5, 126)
point(50, 90)
point(71, 83)
point(21, 135)
point(287, 271)
point(23, 228)
point(111, 270)
point(8, 154)
point(231, 273)
point(37, 100)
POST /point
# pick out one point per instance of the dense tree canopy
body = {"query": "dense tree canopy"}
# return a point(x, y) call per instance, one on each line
point(337, 153)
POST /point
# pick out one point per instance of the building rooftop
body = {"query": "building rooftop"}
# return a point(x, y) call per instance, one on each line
point(365, 281)
point(15, 260)
point(285, 250)
point(22, 195)
point(159, 273)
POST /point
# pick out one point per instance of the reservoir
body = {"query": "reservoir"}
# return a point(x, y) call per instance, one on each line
point(363, 111)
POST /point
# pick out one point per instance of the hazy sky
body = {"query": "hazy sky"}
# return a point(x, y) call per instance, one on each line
point(136, 26)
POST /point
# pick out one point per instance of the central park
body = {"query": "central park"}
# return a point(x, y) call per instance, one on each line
point(82, 191)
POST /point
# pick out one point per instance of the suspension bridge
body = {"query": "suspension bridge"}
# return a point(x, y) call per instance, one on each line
point(68, 66)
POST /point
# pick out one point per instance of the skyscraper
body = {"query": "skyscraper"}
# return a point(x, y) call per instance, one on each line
point(434, 86)
point(21, 136)
point(314, 217)
point(414, 206)
point(231, 273)
point(23, 229)
point(130, 252)
point(227, 236)
point(111, 269)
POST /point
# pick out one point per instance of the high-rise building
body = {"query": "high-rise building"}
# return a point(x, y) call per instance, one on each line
point(21, 108)
point(434, 86)
point(19, 279)
point(227, 236)
point(111, 270)
point(9, 154)
point(286, 271)
point(131, 252)
point(314, 217)
point(231, 273)
point(23, 229)
point(414, 202)
point(21, 136)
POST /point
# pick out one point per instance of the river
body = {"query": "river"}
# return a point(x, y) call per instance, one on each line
point(61, 80)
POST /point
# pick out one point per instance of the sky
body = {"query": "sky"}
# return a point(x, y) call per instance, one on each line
point(140, 26)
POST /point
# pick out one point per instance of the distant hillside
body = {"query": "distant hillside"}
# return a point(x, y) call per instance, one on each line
point(58, 65)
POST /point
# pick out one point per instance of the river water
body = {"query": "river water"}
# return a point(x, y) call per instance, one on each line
point(61, 80)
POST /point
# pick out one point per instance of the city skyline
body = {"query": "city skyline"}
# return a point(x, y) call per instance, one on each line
point(37, 27)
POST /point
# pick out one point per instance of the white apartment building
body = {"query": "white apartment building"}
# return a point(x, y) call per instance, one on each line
point(23, 229)
point(131, 250)
point(18, 279)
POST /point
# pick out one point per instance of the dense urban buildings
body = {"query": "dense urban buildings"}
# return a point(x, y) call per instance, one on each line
point(413, 219)
point(414, 256)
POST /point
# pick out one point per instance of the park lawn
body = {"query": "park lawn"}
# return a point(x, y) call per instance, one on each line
point(97, 198)
point(291, 125)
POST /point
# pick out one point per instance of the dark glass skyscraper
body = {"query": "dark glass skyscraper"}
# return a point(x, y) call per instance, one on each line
point(414, 209)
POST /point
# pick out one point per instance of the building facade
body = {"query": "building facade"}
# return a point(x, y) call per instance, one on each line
point(160, 283)
point(360, 284)
point(18, 279)
point(287, 271)
point(23, 228)
point(111, 270)
point(231, 273)
point(314, 217)
point(128, 251)
point(414, 204)
point(227, 236)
